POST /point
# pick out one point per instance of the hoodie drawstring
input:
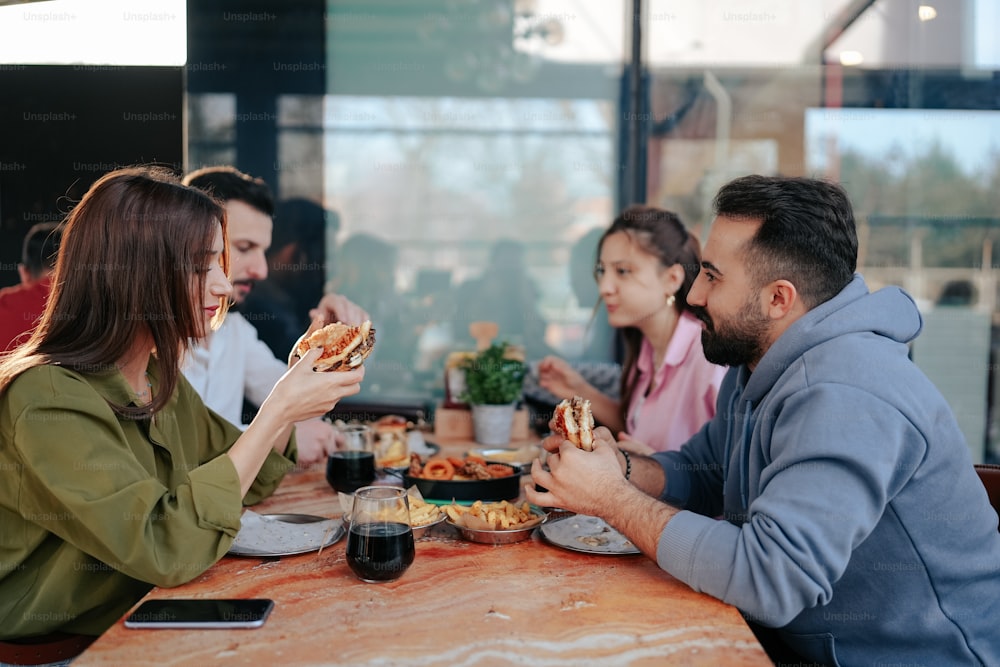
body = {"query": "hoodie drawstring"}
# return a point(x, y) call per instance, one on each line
point(745, 454)
point(729, 437)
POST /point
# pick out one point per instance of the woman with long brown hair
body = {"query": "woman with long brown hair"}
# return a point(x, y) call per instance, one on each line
point(646, 263)
point(116, 477)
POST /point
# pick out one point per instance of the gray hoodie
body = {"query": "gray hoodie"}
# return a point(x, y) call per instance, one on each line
point(855, 521)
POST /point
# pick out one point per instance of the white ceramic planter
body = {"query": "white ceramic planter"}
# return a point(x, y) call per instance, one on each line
point(492, 423)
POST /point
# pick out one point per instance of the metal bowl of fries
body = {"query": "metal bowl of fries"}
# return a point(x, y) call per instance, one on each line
point(495, 523)
point(420, 529)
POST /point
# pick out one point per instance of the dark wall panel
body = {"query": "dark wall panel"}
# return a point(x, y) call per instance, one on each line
point(62, 127)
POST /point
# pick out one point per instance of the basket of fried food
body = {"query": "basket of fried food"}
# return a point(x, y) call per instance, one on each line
point(495, 523)
point(471, 478)
point(423, 515)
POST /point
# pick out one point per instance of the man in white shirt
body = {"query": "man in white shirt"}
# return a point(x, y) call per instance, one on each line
point(232, 363)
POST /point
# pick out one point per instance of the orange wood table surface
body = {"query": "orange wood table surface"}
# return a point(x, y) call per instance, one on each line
point(460, 603)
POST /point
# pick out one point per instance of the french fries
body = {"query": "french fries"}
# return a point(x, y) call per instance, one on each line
point(493, 516)
point(423, 512)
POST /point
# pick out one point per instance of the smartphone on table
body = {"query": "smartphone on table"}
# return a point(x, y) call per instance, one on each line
point(200, 613)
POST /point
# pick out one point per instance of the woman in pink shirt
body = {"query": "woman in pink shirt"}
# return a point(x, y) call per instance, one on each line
point(646, 264)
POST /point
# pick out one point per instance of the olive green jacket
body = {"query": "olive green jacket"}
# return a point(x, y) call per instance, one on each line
point(96, 509)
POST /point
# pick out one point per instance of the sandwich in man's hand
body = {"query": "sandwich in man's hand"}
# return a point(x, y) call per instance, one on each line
point(344, 347)
point(574, 421)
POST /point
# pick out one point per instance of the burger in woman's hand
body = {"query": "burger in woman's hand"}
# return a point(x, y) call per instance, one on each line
point(344, 347)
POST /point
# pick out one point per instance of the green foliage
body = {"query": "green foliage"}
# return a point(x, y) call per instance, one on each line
point(901, 198)
point(492, 377)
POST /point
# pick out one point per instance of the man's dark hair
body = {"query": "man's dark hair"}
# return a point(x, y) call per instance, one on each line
point(225, 183)
point(807, 233)
point(41, 245)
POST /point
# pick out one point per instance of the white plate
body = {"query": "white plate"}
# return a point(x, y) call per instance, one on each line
point(589, 534)
point(268, 535)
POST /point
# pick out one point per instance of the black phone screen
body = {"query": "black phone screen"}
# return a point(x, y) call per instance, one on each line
point(234, 613)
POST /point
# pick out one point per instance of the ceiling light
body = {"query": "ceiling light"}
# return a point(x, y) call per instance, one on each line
point(926, 13)
point(851, 58)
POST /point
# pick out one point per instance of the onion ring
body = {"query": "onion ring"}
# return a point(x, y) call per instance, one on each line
point(438, 469)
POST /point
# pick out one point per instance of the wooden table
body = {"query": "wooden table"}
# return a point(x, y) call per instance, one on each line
point(460, 603)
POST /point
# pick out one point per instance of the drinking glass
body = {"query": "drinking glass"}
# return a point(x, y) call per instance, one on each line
point(357, 437)
point(353, 465)
point(380, 543)
point(349, 470)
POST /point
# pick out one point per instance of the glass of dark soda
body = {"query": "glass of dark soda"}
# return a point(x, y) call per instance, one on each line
point(380, 542)
point(349, 470)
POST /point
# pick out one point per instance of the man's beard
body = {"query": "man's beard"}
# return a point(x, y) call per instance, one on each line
point(240, 295)
point(736, 341)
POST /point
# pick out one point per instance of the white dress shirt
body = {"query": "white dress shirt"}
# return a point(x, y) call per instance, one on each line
point(230, 363)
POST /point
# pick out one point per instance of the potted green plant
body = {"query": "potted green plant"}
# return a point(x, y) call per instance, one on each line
point(494, 378)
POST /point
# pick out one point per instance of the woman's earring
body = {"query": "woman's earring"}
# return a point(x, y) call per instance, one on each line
point(671, 299)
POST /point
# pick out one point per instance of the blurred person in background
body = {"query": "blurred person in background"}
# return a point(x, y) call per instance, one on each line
point(503, 293)
point(597, 361)
point(601, 341)
point(297, 264)
point(232, 363)
point(366, 273)
point(647, 262)
point(117, 477)
point(22, 305)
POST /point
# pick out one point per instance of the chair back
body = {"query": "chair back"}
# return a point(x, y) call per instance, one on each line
point(990, 476)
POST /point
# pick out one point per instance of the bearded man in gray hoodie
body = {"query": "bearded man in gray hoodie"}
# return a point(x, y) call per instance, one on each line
point(853, 530)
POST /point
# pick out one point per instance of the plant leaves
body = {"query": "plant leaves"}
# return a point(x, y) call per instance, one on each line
point(492, 377)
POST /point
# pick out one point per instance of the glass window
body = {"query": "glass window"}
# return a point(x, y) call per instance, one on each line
point(895, 100)
point(467, 148)
point(211, 126)
point(460, 149)
point(300, 146)
point(120, 33)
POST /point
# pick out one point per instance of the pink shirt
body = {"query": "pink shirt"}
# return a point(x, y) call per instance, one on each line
point(686, 388)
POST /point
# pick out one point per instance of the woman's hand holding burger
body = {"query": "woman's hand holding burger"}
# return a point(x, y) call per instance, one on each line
point(303, 393)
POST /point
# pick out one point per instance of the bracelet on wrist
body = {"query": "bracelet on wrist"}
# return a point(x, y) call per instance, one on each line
point(628, 463)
